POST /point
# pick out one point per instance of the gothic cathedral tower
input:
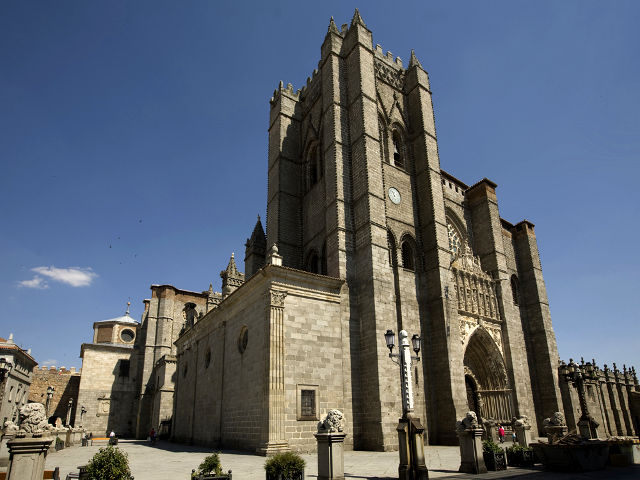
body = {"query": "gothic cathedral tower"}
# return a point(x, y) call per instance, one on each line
point(356, 192)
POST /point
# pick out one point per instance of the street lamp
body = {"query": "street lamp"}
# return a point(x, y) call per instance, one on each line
point(410, 430)
point(578, 375)
point(69, 406)
point(50, 391)
point(5, 369)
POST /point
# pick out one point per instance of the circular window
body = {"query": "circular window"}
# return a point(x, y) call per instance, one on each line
point(127, 335)
point(243, 339)
point(207, 359)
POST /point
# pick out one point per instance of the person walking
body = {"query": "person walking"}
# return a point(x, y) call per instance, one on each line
point(152, 436)
point(501, 433)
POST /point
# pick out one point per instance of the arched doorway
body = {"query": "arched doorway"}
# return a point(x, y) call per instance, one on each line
point(486, 378)
point(472, 394)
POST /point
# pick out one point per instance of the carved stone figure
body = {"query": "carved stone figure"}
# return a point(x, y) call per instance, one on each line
point(333, 422)
point(33, 418)
point(556, 420)
point(469, 422)
point(10, 428)
point(521, 421)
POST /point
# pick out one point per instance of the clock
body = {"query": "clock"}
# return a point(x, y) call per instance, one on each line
point(394, 195)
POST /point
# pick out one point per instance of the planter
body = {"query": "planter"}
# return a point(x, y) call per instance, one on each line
point(521, 458)
point(573, 458)
point(495, 461)
point(295, 476)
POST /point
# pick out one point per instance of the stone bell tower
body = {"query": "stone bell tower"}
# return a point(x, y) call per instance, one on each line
point(356, 192)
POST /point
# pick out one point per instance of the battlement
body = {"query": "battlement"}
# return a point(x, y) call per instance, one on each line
point(59, 371)
point(388, 58)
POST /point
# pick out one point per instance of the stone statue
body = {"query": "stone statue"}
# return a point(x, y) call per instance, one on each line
point(556, 420)
point(521, 421)
point(33, 418)
point(333, 422)
point(470, 421)
point(10, 428)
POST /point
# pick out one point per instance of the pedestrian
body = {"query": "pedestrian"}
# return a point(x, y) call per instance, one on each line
point(513, 437)
point(112, 438)
point(501, 433)
point(152, 436)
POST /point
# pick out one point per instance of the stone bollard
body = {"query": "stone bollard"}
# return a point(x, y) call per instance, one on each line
point(4, 450)
point(522, 429)
point(470, 436)
point(27, 457)
point(331, 447)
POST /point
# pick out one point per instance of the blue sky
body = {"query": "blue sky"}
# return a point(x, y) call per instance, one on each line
point(133, 146)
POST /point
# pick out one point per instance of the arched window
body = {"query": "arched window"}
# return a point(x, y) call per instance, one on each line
point(313, 262)
point(398, 149)
point(454, 239)
point(190, 314)
point(391, 245)
point(515, 290)
point(323, 259)
point(382, 130)
point(315, 167)
point(408, 254)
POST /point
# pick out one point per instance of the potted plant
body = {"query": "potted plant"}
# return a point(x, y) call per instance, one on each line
point(494, 457)
point(519, 456)
point(210, 469)
point(285, 466)
point(108, 464)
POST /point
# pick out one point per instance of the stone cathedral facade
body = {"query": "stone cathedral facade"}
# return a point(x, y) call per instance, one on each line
point(371, 235)
point(364, 232)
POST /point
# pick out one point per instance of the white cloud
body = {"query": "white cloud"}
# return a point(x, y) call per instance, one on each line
point(35, 282)
point(74, 276)
point(51, 362)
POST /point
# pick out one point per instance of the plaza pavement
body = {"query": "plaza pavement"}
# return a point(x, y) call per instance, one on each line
point(174, 461)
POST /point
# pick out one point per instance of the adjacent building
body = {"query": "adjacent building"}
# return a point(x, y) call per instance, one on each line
point(16, 374)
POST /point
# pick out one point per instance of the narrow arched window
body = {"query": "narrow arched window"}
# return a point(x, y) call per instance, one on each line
point(382, 130)
point(313, 263)
point(391, 245)
point(315, 167)
point(515, 290)
point(408, 255)
point(398, 150)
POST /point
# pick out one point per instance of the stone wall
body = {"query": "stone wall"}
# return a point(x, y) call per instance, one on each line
point(66, 383)
point(108, 396)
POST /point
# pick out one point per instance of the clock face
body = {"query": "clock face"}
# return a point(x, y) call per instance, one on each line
point(394, 195)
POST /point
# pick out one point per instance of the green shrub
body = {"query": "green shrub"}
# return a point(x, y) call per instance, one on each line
point(211, 464)
point(109, 463)
point(516, 447)
point(489, 446)
point(285, 464)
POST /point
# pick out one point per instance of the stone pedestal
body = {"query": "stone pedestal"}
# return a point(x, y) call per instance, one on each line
point(471, 459)
point(555, 432)
point(330, 455)
point(490, 430)
point(588, 427)
point(4, 450)
point(27, 457)
point(411, 450)
point(523, 434)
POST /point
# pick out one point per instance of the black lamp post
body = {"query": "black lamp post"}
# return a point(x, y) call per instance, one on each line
point(578, 375)
point(410, 430)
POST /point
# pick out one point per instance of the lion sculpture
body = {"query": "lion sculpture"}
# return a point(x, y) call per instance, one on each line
point(470, 421)
point(33, 418)
point(334, 421)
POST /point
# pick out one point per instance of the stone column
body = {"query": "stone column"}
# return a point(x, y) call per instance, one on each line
point(27, 457)
point(471, 459)
point(274, 435)
point(523, 433)
point(330, 455)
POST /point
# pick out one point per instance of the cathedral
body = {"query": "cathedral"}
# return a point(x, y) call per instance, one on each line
point(364, 233)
